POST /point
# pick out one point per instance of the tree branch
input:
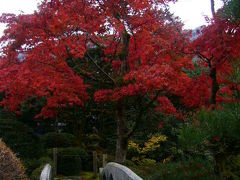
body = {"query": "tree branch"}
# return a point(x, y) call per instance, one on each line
point(141, 111)
point(204, 58)
point(99, 68)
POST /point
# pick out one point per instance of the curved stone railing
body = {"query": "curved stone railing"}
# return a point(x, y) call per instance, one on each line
point(115, 171)
point(46, 173)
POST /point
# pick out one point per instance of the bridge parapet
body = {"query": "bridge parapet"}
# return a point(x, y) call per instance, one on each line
point(115, 171)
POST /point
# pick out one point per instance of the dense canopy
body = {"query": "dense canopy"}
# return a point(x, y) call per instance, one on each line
point(139, 42)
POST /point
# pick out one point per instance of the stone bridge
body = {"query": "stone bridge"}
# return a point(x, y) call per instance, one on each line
point(115, 171)
point(112, 171)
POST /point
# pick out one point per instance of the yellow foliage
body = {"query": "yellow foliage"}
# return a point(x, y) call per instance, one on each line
point(133, 145)
point(148, 162)
point(153, 143)
point(150, 145)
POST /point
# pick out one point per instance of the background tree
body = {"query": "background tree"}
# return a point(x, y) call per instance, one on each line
point(217, 47)
point(230, 10)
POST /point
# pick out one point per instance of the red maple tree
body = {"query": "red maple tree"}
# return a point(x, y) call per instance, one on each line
point(139, 44)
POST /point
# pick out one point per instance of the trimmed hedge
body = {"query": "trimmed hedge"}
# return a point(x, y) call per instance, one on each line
point(58, 140)
point(71, 160)
point(20, 138)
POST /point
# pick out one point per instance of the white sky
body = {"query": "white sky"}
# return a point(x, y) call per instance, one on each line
point(190, 11)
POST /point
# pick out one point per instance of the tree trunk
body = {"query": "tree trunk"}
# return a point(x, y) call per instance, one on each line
point(80, 130)
point(213, 8)
point(213, 71)
point(215, 85)
point(122, 140)
point(78, 125)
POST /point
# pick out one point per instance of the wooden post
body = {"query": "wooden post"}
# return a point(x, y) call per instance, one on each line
point(104, 160)
point(95, 163)
point(55, 161)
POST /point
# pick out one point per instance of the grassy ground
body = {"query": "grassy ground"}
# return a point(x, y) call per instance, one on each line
point(89, 176)
point(83, 176)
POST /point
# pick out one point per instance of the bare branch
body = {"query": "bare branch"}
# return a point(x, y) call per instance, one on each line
point(106, 74)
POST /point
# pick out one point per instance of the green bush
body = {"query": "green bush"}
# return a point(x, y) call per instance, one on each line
point(71, 160)
point(231, 167)
point(186, 170)
point(35, 174)
point(60, 140)
point(194, 169)
point(32, 164)
point(216, 130)
point(214, 135)
point(45, 160)
point(20, 138)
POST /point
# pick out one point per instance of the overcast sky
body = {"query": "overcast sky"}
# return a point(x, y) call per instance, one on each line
point(190, 11)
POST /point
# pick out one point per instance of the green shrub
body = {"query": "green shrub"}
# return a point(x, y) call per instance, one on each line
point(20, 138)
point(127, 163)
point(148, 162)
point(193, 141)
point(214, 135)
point(61, 140)
point(71, 160)
point(185, 170)
point(217, 130)
point(45, 160)
point(35, 174)
point(194, 169)
point(231, 167)
point(30, 165)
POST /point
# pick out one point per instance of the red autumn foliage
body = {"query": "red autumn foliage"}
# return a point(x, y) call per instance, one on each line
point(197, 92)
point(139, 41)
point(218, 47)
point(218, 42)
point(166, 106)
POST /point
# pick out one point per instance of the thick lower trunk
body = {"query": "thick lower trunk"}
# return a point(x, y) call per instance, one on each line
point(215, 86)
point(122, 140)
point(122, 130)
